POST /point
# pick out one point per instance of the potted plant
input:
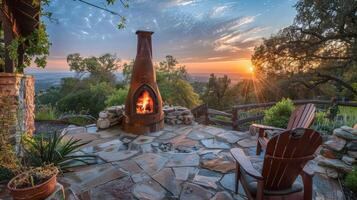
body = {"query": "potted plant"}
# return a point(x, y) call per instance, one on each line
point(34, 184)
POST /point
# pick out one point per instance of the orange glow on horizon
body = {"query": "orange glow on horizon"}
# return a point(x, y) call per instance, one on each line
point(243, 66)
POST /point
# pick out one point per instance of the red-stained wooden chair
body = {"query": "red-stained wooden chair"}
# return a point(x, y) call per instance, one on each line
point(302, 117)
point(285, 157)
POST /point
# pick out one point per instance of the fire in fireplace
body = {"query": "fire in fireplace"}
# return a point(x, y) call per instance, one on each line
point(143, 105)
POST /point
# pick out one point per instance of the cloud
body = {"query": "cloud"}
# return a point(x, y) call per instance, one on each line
point(219, 10)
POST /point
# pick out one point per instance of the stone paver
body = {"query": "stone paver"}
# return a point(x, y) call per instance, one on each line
point(166, 178)
point(179, 162)
point(207, 178)
point(215, 144)
point(148, 190)
point(193, 191)
point(151, 163)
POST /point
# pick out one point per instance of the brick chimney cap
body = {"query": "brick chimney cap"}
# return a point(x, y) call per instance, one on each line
point(141, 32)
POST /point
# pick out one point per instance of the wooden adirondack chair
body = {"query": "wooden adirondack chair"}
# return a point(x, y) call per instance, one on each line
point(284, 159)
point(302, 117)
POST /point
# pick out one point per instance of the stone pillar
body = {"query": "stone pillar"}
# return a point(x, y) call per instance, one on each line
point(16, 106)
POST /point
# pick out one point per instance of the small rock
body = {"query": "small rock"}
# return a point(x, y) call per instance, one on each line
point(353, 154)
point(352, 146)
point(348, 160)
point(344, 134)
point(103, 114)
point(103, 123)
point(350, 129)
point(328, 153)
point(335, 143)
point(331, 173)
point(335, 164)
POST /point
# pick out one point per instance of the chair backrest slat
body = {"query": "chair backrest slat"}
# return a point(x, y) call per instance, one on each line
point(302, 117)
point(286, 155)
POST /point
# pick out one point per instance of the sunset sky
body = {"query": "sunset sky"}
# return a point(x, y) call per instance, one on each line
point(205, 35)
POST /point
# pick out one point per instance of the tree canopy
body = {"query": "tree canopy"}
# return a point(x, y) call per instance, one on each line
point(100, 68)
point(319, 47)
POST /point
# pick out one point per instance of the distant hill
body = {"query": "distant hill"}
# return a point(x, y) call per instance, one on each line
point(45, 80)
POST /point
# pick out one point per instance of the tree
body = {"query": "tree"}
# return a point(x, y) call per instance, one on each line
point(171, 70)
point(99, 68)
point(320, 47)
point(127, 69)
point(218, 93)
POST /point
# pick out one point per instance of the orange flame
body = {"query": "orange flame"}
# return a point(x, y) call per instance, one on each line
point(145, 104)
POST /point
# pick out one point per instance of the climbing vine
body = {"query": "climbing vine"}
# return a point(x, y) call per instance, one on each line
point(36, 49)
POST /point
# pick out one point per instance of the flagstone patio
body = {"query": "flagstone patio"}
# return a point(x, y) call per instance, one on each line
point(180, 162)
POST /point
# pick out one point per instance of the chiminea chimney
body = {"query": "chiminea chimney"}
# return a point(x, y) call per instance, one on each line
point(143, 106)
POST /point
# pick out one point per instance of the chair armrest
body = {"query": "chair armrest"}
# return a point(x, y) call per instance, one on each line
point(245, 163)
point(260, 126)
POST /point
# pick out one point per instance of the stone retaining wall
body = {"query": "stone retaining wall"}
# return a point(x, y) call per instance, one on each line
point(174, 115)
point(16, 105)
point(339, 152)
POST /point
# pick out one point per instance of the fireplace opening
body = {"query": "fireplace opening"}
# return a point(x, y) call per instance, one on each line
point(144, 103)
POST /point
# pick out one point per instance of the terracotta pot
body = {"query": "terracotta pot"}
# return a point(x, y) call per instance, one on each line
point(38, 192)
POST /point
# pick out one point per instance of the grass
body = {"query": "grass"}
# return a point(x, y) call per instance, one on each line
point(346, 116)
point(46, 113)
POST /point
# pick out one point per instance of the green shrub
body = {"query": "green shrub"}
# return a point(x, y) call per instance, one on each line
point(91, 99)
point(351, 180)
point(279, 114)
point(46, 112)
point(118, 97)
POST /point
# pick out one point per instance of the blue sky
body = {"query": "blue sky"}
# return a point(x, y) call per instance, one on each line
point(202, 34)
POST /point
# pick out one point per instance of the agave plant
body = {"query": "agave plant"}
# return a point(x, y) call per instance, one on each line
point(53, 149)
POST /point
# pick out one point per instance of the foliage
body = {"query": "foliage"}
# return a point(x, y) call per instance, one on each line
point(317, 52)
point(117, 97)
point(346, 116)
point(173, 84)
point(5, 174)
point(34, 176)
point(99, 68)
point(35, 46)
point(351, 180)
point(46, 112)
point(219, 94)
point(79, 120)
point(54, 149)
point(127, 68)
point(178, 92)
point(90, 99)
point(279, 114)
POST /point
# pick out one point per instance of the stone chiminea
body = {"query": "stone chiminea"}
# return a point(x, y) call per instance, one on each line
point(143, 106)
